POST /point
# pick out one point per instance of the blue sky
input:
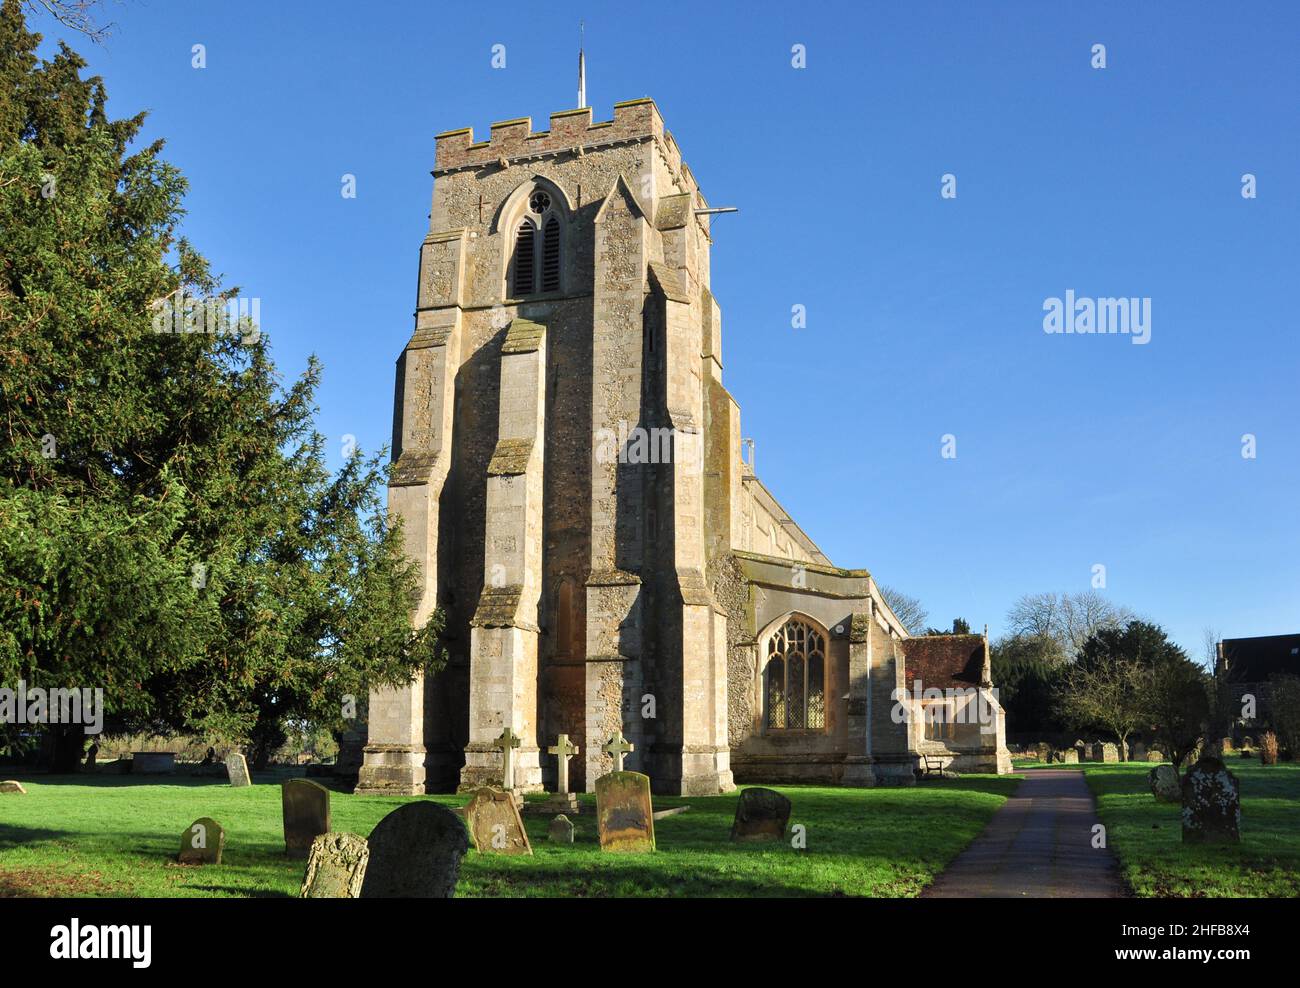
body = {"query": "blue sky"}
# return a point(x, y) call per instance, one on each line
point(924, 314)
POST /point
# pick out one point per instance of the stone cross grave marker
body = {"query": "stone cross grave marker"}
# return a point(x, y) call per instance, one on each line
point(563, 751)
point(507, 742)
point(202, 842)
point(415, 853)
point(336, 867)
point(561, 801)
point(624, 814)
point(306, 807)
point(616, 747)
point(237, 770)
point(495, 826)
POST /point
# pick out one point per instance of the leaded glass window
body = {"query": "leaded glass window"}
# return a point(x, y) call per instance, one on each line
point(795, 679)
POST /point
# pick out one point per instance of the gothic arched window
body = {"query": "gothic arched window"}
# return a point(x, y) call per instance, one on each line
point(535, 259)
point(795, 681)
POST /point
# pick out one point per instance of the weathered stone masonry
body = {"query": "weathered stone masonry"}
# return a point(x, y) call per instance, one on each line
point(564, 299)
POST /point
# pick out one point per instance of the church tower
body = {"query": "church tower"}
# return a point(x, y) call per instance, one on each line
point(560, 434)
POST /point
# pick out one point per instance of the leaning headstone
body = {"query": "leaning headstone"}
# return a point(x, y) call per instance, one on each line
point(560, 831)
point(624, 814)
point(202, 842)
point(1164, 783)
point(237, 770)
point(336, 867)
point(495, 827)
point(1068, 756)
point(415, 853)
point(1211, 804)
point(306, 815)
point(10, 785)
point(761, 814)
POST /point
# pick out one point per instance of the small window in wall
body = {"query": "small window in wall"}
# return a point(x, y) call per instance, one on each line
point(795, 678)
point(939, 722)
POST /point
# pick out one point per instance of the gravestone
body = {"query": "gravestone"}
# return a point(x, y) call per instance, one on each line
point(237, 770)
point(1081, 750)
point(1164, 783)
point(336, 867)
point(761, 814)
point(1109, 753)
point(1211, 804)
point(153, 762)
point(306, 806)
point(1137, 752)
point(624, 814)
point(415, 853)
point(495, 827)
point(561, 801)
point(202, 842)
point(10, 785)
point(1068, 756)
point(1043, 751)
point(1155, 755)
point(560, 830)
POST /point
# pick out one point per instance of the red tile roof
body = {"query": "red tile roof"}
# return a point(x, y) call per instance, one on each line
point(944, 661)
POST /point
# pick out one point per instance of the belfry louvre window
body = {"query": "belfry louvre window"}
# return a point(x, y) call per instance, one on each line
point(551, 256)
point(535, 261)
point(795, 681)
point(525, 259)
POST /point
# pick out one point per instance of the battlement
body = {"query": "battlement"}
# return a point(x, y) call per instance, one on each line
point(570, 130)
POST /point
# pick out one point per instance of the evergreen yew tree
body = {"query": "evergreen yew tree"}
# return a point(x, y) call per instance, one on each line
point(169, 531)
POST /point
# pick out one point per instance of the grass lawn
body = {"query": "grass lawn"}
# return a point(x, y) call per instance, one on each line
point(115, 836)
point(1147, 836)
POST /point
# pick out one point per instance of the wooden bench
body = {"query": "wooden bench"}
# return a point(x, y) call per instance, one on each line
point(930, 764)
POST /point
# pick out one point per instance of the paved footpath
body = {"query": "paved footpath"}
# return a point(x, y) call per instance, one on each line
point(1038, 845)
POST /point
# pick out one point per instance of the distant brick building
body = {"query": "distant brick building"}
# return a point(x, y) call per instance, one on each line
point(1244, 667)
point(569, 469)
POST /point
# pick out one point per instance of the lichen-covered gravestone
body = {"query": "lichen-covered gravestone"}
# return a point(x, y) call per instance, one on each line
point(624, 813)
point(202, 842)
point(1163, 780)
point(306, 806)
point(9, 785)
point(492, 816)
point(761, 814)
point(336, 867)
point(560, 830)
point(1068, 756)
point(237, 770)
point(415, 853)
point(1109, 753)
point(1211, 804)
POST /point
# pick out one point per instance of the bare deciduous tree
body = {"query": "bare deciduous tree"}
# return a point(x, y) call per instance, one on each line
point(1112, 695)
point(1069, 619)
point(77, 15)
point(909, 610)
